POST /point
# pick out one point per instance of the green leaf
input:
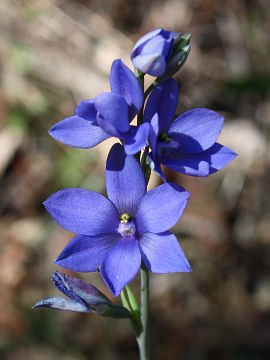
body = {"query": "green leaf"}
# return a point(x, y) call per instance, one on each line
point(130, 302)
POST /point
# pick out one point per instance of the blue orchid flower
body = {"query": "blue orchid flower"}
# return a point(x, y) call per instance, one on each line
point(187, 144)
point(107, 115)
point(115, 234)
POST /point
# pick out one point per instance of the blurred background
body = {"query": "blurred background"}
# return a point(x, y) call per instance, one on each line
point(56, 53)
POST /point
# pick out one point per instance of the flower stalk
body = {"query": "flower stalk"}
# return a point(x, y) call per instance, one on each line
point(140, 76)
point(143, 340)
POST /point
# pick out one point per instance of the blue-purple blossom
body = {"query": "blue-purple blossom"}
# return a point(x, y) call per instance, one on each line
point(107, 115)
point(81, 297)
point(115, 234)
point(152, 52)
point(187, 144)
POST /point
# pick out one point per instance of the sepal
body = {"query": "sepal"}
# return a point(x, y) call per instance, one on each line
point(178, 57)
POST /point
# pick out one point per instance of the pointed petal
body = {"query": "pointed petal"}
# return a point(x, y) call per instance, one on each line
point(60, 303)
point(86, 109)
point(218, 156)
point(121, 265)
point(112, 114)
point(196, 130)
point(78, 132)
point(136, 138)
point(83, 212)
point(199, 164)
point(124, 83)
point(125, 180)
point(161, 208)
point(86, 253)
point(162, 100)
point(71, 286)
point(162, 253)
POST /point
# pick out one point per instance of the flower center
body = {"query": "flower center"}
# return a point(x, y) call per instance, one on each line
point(164, 137)
point(126, 226)
point(124, 218)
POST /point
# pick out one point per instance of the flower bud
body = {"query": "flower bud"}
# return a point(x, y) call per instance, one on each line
point(81, 297)
point(152, 52)
point(178, 57)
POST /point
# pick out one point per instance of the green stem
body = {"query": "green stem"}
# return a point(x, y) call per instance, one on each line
point(140, 77)
point(143, 340)
point(150, 88)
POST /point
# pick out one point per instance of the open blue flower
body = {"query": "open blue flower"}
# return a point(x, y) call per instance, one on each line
point(151, 52)
point(187, 144)
point(115, 233)
point(107, 115)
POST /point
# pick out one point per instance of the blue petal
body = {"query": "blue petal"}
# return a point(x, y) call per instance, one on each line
point(144, 39)
point(161, 208)
point(83, 212)
point(125, 180)
point(162, 253)
point(86, 109)
point(162, 100)
point(124, 83)
point(199, 164)
point(218, 156)
point(189, 164)
point(158, 44)
point(78, 132)
point(153, 133)
point(112, 114)
point(60, 303)
point(136, 138)
point(121, 265)
point(196, 130)
point(152, 64)
point(86, 253)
